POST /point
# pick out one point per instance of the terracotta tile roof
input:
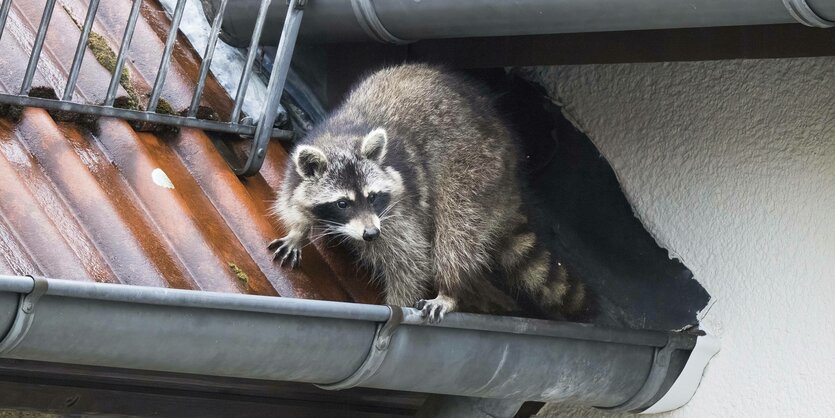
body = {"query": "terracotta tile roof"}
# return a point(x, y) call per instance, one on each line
point(100, 207)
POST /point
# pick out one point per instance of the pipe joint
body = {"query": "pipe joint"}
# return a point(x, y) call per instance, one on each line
point(657, 375)
point(803, 13)
point(25, 315)
point(367, 17)
point(376, 353)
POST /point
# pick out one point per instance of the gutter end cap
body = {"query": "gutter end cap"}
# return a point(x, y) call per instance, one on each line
point(688, 381)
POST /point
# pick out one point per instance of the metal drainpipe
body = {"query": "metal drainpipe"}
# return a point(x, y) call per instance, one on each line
point(398, 21)
point(340, 345)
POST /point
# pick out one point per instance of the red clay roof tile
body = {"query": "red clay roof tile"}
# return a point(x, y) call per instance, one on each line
point(99, 207)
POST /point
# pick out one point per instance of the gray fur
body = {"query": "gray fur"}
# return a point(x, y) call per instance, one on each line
point(455, 221)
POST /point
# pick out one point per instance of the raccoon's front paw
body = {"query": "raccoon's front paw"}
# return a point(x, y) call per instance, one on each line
point(435, 309)
point(288, 249)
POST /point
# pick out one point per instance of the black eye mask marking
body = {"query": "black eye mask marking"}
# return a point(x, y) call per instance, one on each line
point(331, 212)
point(380, 202)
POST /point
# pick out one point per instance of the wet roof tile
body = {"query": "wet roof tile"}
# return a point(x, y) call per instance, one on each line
point(136, 207)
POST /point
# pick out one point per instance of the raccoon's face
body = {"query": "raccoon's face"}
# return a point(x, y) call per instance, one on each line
point(349, 192)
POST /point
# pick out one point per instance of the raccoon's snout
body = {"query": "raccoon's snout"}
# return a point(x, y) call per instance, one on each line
point(370, 233)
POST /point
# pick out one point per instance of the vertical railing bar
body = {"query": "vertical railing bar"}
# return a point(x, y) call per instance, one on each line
point(281, 66)
point(123, 51)
point(166, 56)
point(36, 49)
point(207, 59)
point(250, 59)
point(4, 14)
point(80, 49)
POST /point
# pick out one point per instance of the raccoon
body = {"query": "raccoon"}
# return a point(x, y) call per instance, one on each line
point(417, 175)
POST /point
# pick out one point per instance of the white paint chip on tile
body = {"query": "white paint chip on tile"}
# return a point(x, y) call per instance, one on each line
point(161, 179)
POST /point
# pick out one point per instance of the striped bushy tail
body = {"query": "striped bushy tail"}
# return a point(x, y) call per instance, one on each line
point(536, 274)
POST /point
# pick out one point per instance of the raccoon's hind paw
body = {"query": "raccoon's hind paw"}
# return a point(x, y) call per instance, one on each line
point(288, 250)
point(435, 309)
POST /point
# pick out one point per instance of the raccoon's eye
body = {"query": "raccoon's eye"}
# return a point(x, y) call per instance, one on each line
point(372, 197)
point(342, 204)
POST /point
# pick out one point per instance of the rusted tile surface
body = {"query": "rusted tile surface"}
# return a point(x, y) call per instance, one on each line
point(244, 206)
point(102, 201)
point(130, 207)
point(42, 221)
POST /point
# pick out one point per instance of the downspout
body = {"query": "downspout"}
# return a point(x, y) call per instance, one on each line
point(399, 21)
point(339, 345)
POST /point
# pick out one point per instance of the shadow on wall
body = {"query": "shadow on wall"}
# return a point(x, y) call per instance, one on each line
point(589, 222)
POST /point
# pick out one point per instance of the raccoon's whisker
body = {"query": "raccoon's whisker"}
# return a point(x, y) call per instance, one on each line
point(313, 241)
point(324, 231)
point(384, 213)
point(331, 234)
point(386, 218)
point(329, 225)
point(390, 207)
point(321, 228)
point(324, 221)
point(342, 241)
point(328, 232)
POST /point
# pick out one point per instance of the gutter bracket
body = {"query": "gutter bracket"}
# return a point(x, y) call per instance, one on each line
point(376, 353)
point(367, 17)
point(803, 13)
point(657, 374)
point(25, 315)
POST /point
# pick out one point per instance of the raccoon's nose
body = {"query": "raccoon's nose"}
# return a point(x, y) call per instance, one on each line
point(370, 233)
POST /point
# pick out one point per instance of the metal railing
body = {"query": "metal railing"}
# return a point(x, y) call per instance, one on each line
point(261, 131)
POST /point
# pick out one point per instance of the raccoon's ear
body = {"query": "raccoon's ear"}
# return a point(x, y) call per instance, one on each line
point(310, 161)
point(374, 145)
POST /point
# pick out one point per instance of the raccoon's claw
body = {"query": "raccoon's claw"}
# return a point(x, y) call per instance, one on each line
point(419, 305)
point(435, 309)
point(293, 258)
point(287, 252)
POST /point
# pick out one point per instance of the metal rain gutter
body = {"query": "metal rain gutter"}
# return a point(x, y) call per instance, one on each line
point(400, 21)
point(339, 345)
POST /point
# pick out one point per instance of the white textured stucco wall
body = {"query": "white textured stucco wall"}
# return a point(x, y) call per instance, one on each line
point(731, 167)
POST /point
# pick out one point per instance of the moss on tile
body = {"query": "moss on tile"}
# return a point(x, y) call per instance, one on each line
point(88, 122)
point(203, 113)
point(43, 92)
point(11, 112)
point(165, 108)
point(46, 92)
point(240, 274)
point(126, 102)
point(107, 58)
